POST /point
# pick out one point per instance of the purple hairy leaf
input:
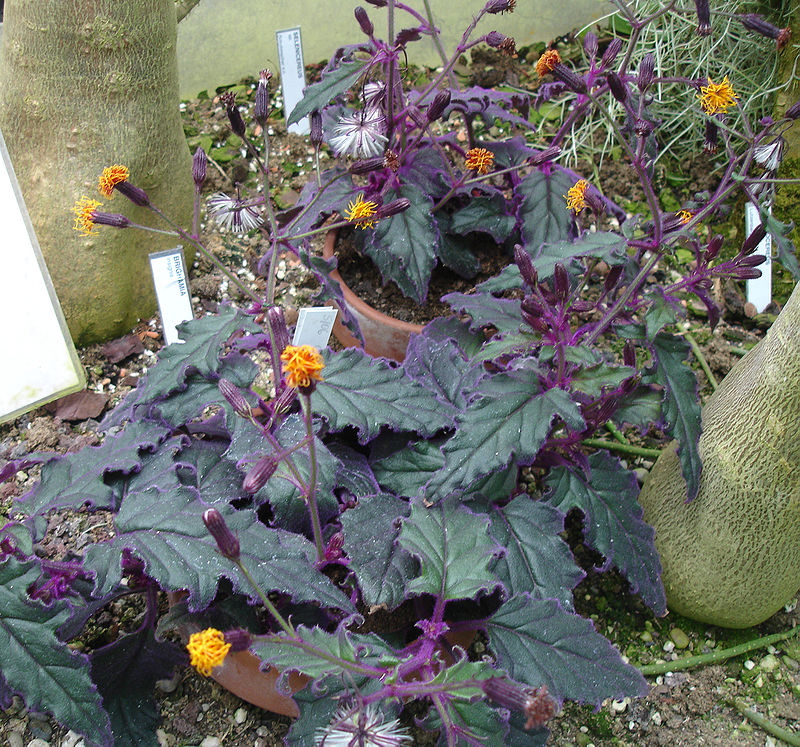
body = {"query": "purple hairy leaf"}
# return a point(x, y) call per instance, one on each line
point(542, 212)
point(333, 82)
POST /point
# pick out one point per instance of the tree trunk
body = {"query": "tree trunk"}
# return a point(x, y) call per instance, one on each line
point(85, 84)
point(731, 557)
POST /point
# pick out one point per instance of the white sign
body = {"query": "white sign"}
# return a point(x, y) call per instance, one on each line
point(172, 291)
point(314, 326)
point(293, 75)
point(759, 290)
point(40, 363)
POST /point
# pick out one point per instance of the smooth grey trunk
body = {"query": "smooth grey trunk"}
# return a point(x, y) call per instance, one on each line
point(85, 84)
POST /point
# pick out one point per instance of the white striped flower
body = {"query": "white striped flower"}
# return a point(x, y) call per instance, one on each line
point(360, 134)
point(364, 727)
point(232, 213)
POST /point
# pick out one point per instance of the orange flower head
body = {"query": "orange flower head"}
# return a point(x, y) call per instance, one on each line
point(111, 176)
point(84, 215)
point(207, 650)
point(717, 97)
point(684, 216)
point(302, 364)
point(547, 62)
point(361, 212)
point(480, 160)
point(576, 196)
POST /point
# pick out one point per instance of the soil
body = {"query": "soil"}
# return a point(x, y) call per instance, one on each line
point(683, 709)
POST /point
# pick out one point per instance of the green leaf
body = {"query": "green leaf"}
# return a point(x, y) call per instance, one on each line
point(610, 247)
point(76, 479)
point(454, 550)
point(403, 246)
point(594, 379)
point(543, 212)
point(202, 466)
point(783, 247)
point(614, 525)
point(483, 215)
point(44, 670)
point(680, 407)
point(659, 314)
point(370, 532)
point(315, 653)
point(406, 471)
point(539, 643)
point(367, 393)
point(512, 419)
point(537, 560)
point(332, 82)
point(487, 311)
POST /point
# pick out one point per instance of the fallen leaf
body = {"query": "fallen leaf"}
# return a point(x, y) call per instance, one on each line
point(78, 406)
point(119, 349)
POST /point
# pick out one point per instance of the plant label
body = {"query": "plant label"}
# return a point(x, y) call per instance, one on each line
point(314, 326)
point(41, 362)
point(759, 290)
point(172, 291)
point(293, 75)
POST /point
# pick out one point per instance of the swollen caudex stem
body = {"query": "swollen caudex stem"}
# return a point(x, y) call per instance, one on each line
point(731, 557)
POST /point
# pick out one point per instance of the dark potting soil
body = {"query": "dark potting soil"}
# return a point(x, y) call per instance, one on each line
point(364, 279)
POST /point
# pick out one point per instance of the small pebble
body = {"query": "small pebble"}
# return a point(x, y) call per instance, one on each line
point(619, 706)
point(749, 664)
point(38, 743)
point(262, 731)
point(240, 716)
point(211, 742)
point(169, 685)
point(679, 638)
point(71, 739)
point(790, 662)
point(15, 739)
point(669, 646)
point(40, 729)
point(656, 718)
point(206, 707)
point(769, 663)
point(162, 737)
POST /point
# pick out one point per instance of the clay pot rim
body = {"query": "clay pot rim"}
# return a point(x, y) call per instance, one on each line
point(355, 301)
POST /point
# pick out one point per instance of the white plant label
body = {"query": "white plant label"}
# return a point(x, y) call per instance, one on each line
point(293, 75)
point(40, 360)
point(172, 291)
point(314, 326)
point(759, 290)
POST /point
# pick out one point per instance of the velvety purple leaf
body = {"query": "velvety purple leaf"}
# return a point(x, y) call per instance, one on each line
point(75, 479)
point(454, 549)
point(537, 561)
point(539, 643)
point(368, 394)
point(542, 213)
point(454, 254)
point(426, 171)
point(332, 83)
point(11, 468)
point(484, 215)
point(337, 189)
point(613, 522)
point(126, 672)
point(511, 420)
point(610, 247)
point(201, 465)
point(489, 104)
point(442, 369)
point(512, 152)
point(659, 314)
point(42, 669)
point(442, 328)
point(353, 472)
point(487, 311)
point(403, 245)
point(381, 566)
point(680, 406)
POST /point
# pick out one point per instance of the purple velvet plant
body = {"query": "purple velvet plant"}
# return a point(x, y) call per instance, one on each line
point(351, 489)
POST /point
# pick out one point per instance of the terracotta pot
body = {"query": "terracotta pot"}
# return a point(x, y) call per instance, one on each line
point(240, 674)
point(384, 336)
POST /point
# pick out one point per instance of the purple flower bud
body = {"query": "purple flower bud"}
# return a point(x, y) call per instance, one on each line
point(642, 127)
point(495, 39)
point(500, 6)
point(754, 260)
point(394, 207)
point(703, 17)
point(110, 219)
point(199, 167)
point(753, 240)
point(590, 44)
point(261, 107)
point(755, 22)
point(713, 247)
point(524, 261)
point(284, 401)
point(259, 473)
point(612, 276)
point(440, 102)
point(234, 115)
point(618, 89)
point(534, 702)
point(136, 195)
point(226, 540)
point(543, 156)
point(239, 639)
point(560, 281)
point(378, 3)
point(612, 50)
point(747, 273)
point(277, 324)
point(569, 77)
point(316, 128)
point(366, 166)
point(234, 397)
point(629, 354)
point(333, 550)
point(581, 307)
point(363, 21)
point(711, 138)
point(532, 306)
point(416, 115)
point(647, 69)
point(793, 112)
point(537, 323)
